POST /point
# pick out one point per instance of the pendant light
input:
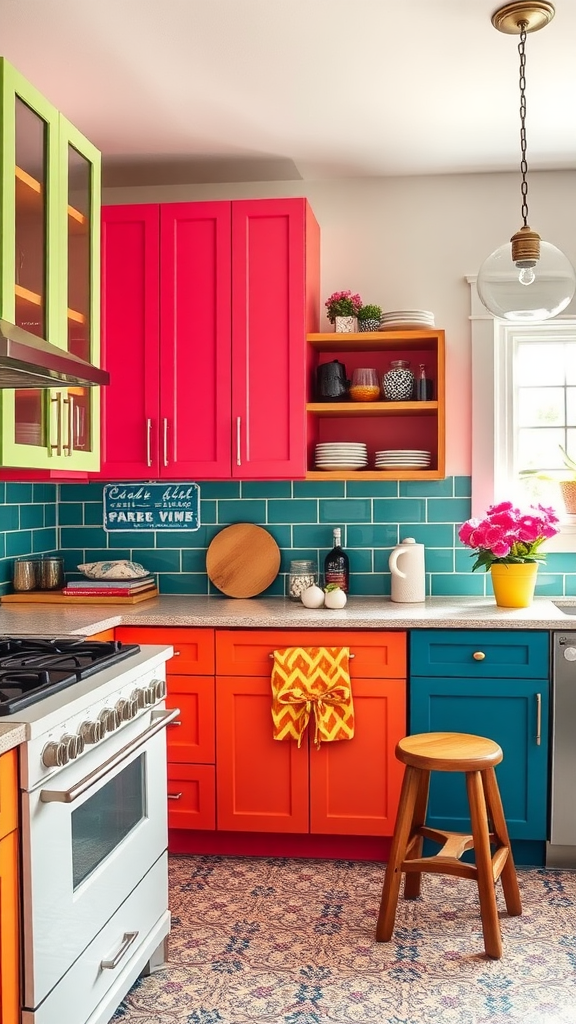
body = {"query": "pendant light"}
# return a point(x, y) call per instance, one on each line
point(526, 279)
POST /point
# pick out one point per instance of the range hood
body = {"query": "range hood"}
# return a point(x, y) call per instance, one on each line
point(30, 362)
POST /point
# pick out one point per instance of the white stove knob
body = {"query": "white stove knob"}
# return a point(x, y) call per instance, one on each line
point(73, 744)
point(570, 653)
point(52, 755)
point(159, 687)
point(139, 696)
point(91, 732)
point(124, 710)
point(108, 719)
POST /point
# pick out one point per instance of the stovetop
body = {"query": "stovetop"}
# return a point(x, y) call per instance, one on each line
point(32, 668)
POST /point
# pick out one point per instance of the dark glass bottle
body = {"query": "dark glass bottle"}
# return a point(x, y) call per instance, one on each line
point(336, 564)
point(424, 387)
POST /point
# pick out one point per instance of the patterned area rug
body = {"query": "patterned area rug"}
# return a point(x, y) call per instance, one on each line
point(275, 941)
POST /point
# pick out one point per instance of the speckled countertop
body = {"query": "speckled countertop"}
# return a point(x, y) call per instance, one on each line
point(275, 613)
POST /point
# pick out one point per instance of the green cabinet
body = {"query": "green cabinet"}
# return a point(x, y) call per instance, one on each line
point(492, 683)
point(50, 196)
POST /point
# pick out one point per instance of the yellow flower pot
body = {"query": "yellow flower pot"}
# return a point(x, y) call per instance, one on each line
point(514, 584)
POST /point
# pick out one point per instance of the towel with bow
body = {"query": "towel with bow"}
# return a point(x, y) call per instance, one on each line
point(313, 680)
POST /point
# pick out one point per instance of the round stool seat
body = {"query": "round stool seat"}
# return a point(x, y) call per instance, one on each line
point(449, 752)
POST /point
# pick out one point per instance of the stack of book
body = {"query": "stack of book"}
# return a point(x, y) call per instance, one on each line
point(110, 588)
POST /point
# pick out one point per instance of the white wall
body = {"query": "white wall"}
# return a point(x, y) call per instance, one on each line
point(409, 243)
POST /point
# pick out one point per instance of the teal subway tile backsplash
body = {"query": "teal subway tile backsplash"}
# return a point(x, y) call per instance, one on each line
point(373, 515)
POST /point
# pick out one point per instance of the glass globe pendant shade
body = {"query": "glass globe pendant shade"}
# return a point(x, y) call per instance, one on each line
point(527, 290)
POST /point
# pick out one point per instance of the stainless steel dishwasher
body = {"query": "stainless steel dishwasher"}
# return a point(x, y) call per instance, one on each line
point(561, 849)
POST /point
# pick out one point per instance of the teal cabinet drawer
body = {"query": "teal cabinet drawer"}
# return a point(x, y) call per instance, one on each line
point(480, 654)
point(513, 713)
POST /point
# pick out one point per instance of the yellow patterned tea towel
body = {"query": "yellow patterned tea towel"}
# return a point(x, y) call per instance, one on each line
point(314, 680)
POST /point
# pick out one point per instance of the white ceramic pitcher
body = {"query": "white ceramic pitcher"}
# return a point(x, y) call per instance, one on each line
point(406, 564)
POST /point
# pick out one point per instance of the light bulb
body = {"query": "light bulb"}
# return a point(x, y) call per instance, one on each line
point(536, 293)
point(526, 276)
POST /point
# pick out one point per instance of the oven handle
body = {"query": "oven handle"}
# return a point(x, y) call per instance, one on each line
point(67, 796)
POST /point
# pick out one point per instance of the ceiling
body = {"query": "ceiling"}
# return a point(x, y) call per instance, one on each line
point(175, 91)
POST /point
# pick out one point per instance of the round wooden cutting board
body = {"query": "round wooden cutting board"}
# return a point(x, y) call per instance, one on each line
point(242, 560)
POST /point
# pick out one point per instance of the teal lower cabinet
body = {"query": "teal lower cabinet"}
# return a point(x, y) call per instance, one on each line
point(509, 709)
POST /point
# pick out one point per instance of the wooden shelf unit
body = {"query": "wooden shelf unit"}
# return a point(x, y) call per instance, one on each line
point(382, 424)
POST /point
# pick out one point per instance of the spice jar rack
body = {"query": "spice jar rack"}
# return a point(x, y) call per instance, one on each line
point(382, 424)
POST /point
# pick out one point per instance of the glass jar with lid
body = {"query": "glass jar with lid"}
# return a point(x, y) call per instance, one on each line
point(398, 382)
point(303, 573)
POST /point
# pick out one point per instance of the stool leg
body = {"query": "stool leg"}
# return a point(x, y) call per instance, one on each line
point(484, 873)
point(413, 879)
point(509, 877)
point(402, 830)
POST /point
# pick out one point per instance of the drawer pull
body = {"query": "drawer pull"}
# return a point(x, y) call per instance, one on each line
point(478, 655)
point(538, 719)
point(176, 654)
point(127, 940)
point(175, 796)
point(174, 723)
point(350, 655)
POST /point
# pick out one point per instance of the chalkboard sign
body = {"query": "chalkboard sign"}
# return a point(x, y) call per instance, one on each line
point(143, 507)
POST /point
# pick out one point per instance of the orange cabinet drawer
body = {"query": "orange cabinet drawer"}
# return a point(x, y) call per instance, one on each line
point(191, 796)
point(193, 648)
point(8, 792)
point(192, 737)
point(247, 652)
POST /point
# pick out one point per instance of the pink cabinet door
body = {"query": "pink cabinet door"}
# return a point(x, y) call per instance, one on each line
point(195, 341)
point(130, 342)
point(275, 289)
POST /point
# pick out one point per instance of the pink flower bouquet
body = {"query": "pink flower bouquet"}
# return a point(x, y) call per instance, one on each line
point(507, 535)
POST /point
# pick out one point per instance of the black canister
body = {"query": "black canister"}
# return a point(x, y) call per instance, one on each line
point(331, 383)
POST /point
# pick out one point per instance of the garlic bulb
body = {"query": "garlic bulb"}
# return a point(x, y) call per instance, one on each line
point(312, 597)
point(335, 598)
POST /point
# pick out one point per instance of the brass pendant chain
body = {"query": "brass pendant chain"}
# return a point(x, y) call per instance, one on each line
point(523, 162)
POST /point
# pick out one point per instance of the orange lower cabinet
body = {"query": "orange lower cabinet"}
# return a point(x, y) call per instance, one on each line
point(106, 634)
point(191, 796)
point(193, 648)
point(9, 908)
point(261, 783)
point(191, 738)
point(355, 784)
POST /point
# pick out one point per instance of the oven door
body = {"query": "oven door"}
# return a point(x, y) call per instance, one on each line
point(90, 834)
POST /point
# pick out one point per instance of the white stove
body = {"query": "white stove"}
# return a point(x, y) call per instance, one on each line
point(94, 832)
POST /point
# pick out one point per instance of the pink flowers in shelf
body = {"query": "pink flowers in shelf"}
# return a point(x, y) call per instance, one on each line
point(342, 304)
point(508, 535)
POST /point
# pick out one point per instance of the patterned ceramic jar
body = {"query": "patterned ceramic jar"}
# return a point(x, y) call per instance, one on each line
point(398, 382)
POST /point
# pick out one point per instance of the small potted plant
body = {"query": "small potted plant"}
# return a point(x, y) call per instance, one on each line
point(342, 311)
point(565, 480)
point(369, 317)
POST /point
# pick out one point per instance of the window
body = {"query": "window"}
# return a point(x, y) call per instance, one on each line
point(523, 409)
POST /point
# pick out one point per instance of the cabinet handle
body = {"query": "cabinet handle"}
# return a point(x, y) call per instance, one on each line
point(350, 656)
point(176, 654)
point(174, 723)
point(538, 719)
point(238, 431)
point(165, 442)
point(478, 655)
point(57, 400)
point(69, 448)
point(175, 796)
point(149, 442)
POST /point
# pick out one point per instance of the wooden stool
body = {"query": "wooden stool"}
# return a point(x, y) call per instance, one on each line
point(451, 752)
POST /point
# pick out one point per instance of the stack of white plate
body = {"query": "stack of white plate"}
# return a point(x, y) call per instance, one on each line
point(402, 458)
point(406, 319)
point(341, 455)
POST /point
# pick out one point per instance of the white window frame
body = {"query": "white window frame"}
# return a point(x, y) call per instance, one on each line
point(492, 405)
